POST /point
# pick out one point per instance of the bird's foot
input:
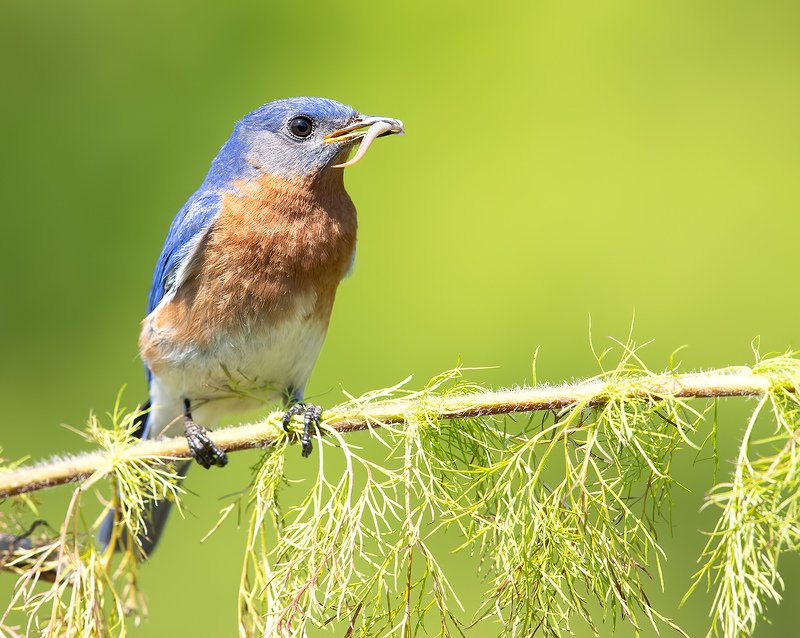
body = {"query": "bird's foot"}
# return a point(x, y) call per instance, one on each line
point(312, 414)
point(200, 445)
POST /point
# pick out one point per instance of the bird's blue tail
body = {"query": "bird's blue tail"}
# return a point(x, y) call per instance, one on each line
point(157, 511)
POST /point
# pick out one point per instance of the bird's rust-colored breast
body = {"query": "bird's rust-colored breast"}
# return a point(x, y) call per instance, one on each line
point(273, 241)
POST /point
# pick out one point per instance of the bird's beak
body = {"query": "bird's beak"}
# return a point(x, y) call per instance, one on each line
point(366, 128)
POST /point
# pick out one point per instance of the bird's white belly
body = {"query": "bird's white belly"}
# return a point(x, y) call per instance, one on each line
point(239, 372)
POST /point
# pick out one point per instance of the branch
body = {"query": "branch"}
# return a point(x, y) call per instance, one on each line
point(560, 509)
point(739, 381)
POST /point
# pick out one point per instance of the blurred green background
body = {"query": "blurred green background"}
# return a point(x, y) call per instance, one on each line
point(562, 160)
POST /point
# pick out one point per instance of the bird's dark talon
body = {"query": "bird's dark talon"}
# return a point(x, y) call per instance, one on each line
point(202, 447)
point(297, 408)
point(312, 415)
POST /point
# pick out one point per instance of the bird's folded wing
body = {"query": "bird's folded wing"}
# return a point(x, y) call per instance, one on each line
point(181, 246)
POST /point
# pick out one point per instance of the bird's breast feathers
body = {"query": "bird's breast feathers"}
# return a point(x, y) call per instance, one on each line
point(255, 294)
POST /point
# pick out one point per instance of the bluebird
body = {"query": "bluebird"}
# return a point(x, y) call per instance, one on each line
point(243, 290)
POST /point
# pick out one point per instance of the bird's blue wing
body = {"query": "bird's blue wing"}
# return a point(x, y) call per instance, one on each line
point(188, 228)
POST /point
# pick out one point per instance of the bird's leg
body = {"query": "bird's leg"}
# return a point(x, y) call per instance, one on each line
point(311, 417)
point(202, 448)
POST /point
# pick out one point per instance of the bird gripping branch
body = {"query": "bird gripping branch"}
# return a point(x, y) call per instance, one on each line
point(243, 290)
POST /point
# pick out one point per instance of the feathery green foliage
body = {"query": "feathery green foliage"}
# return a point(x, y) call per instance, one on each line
point(67, 585)
point(760, 509)
point(563, 507)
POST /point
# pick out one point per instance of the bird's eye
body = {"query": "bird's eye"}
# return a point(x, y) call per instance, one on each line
point(301, 126)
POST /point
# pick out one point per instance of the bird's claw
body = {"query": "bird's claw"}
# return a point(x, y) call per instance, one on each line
point(312, 414)
point(296, 409)
point(202, 447)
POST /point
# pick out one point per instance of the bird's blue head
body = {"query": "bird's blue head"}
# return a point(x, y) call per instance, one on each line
point(299, 137)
